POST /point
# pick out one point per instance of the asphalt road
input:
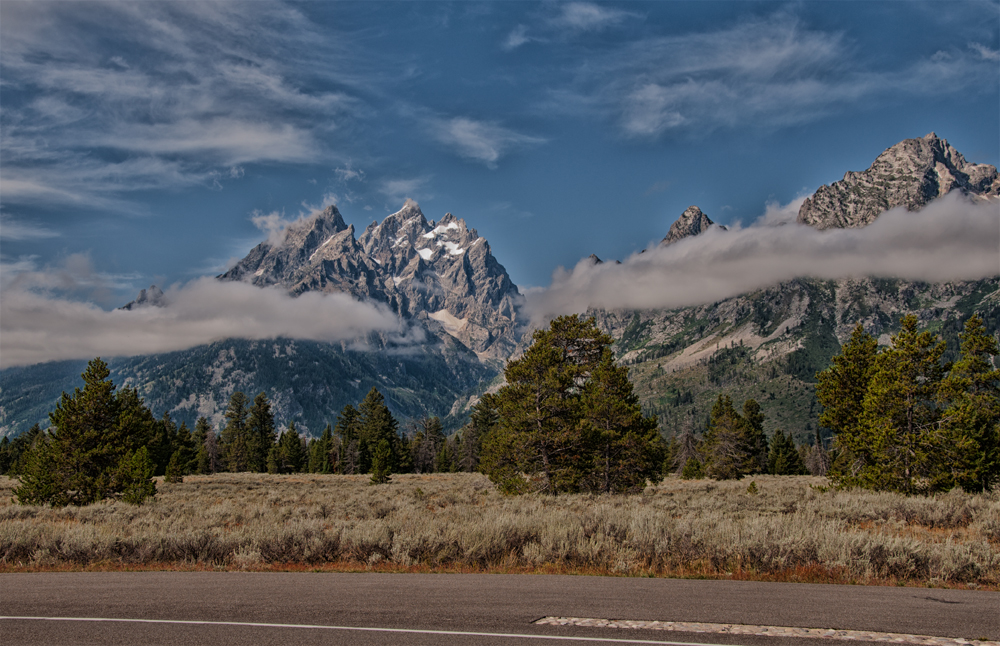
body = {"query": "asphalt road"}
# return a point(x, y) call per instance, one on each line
point(498, 609)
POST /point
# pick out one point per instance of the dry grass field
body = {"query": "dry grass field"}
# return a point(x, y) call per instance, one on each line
point(791, 529)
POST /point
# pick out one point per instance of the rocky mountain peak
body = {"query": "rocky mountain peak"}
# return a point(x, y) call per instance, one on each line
point(440, 273)
point(909, 174)
point(690, 223)
point(152, 297)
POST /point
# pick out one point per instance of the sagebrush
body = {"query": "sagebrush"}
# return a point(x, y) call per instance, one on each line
point(791, 528)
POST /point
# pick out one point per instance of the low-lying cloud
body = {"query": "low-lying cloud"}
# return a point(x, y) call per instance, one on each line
point(38, 326)
point(950, 239)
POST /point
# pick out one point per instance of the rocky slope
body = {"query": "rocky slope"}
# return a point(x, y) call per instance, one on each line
point(442, 274)
point(770, 343)
point(909, 174)
point(691, 223)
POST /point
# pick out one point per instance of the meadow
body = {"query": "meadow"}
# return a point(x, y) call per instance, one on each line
point(781, 528)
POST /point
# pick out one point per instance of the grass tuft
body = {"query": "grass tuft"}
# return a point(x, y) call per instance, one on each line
point(770, 529)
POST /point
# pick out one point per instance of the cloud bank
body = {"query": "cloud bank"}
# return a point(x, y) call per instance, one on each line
point(950, 239)
point(37, 326)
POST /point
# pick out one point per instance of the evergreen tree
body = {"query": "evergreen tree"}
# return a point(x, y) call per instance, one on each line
point(754, 438)
point(261, 433)
point(724, 446)
point(625, 448)
point(237, 446)
point(539, 410)
point(95, 448)
point(966, 444)
point(900, 411)
point(482, 421)
point(187, 450)
point(692, 469)
point(291, 455)
point(174, 472)
point(444, 461)
point(841, 390)
point(375, 424)
point(784, 459)
point(5, 455)
point(382, 463)
point(319, 452)
point(426, 445)
point(17, 449)
point(347, 431)
point(208, 450)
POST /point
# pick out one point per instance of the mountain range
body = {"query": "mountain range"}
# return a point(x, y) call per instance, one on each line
point(441, 277)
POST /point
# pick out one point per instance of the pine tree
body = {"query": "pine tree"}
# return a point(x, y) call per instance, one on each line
point(237, 447)
point(841, 390)
point(260, 432)
point(900, 411)
point(754, 438)
point(375, 424)
point(482, 421)
point(784, 459)
point(426, 445)
point(349, 459)
point(319, 452)
point(724, 445)
point(186, 446)
point(966, 444)
point(174, 473)
point(290, 450)
point(692, 470)
point(381, 463)
point(625, 448)
point(95, 448)
point(539, 411)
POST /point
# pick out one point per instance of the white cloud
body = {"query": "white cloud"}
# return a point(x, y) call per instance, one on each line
point(37, 326)
point(517, 37)
point(586, 16)
point(399, 190)
point(11, 229)
point(949, 239)
point(205, 89)
point(763, 73)
point(480, 141)
point(985, 52)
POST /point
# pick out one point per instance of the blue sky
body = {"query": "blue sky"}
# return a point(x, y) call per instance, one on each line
point(140, 141)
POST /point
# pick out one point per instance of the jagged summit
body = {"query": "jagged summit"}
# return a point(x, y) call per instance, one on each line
point(441, 273)
point(690, 223)
point(909, 174)
point(152, 297)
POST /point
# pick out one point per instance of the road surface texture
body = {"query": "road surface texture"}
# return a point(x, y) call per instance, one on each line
point(222, 608)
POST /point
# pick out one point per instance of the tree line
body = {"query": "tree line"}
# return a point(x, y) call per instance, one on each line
point(566, 420)
point(904, 420)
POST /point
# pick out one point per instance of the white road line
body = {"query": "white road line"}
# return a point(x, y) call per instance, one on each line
point(455, 633)
point(765, 631)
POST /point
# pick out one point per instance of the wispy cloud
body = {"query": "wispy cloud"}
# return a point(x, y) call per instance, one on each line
point(38, 324)
point(587, 16)
point(102, 100)
point(766, 73)
point(950, 239)
point(480, 141)
point(517, 37)
point(985, 52)
point(11, 229)
point(403, 189)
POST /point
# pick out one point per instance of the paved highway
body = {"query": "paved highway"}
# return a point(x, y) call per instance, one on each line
point(313, 608)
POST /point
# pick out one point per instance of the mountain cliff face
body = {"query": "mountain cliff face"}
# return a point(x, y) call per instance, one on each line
point(691, 223)
point(909, 174)
point(769, 344)
point(441, 274)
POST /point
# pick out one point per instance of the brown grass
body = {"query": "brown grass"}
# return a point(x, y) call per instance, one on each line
point(791, 530)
